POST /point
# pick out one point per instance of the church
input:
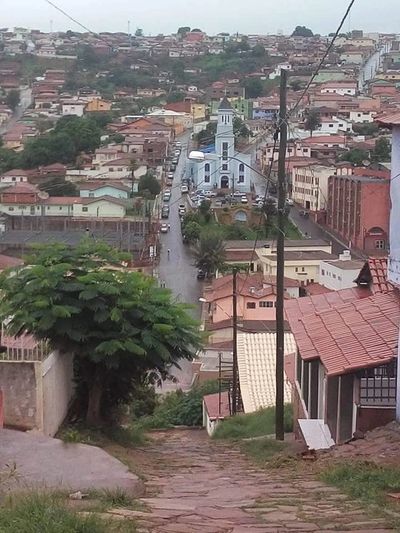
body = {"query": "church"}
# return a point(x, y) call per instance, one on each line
point(224, 168)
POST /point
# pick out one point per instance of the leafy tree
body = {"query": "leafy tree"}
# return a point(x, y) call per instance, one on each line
point(196, 30)
point(270, 211)
point(13, 99)
point(84, 132)
point(175, 96)
point(87, 55)
point(296, 85)
point(59, 187)
point(240, 129)
point(209, 252)
point(356, 156)
point(148, 182)
point(9, 160)
point(366, 129)
point(183, 30)
point(205, 211)
point(312, 121)
point(117, 138)
point(381, 152)
point(258, 51)
point(254, 87)
point(119, 325)
point(302, 31)
point(191, 232)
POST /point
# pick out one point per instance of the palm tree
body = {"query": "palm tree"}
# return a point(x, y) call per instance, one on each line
point(209, 252)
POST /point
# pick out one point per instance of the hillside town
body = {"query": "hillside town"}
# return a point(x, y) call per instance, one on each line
point(165, 230)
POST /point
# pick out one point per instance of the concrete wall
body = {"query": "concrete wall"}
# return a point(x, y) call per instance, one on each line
point(57, 390)
point(37, 394)
point(18, 383)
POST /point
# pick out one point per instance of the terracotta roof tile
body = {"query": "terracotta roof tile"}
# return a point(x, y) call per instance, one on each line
point(378, 267)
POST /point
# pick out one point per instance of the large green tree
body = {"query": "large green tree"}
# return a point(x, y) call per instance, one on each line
point(356, 156)
point(148, 182)
point(381, 152)
point(302, 31)
point(13, 99)
point(119, 325)
point(312, 121)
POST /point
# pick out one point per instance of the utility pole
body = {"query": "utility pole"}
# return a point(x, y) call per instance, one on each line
point(234, 327)
point(280, 266)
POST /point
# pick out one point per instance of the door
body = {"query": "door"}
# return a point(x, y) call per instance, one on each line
point(224, 182)
point(346, 408)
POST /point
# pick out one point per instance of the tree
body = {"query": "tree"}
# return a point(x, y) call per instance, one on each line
point(59, 187)
point(302, 31)
point(191, 232)
point(381, 152)
point(13, 99)
point(182, 31)
point(209, 252)
point(240, 129)
point(371, 128)
point(119, 326)
point(258, 51)
point(148, 182)
point(312, 121)
point(356, 156)
point(175, 96)
point(270, 211)
point(254, 87)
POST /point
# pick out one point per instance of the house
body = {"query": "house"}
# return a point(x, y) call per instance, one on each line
point(345, 366)
point(256, 297)
point(73, 107)
point(340, 273)
point(301, 264)
point(343, 88)
point(94, 189)
point(310, 185)
point(223, 167)
point(358, 211)
point(178, 122)
point(14, 176)
point(98, 105)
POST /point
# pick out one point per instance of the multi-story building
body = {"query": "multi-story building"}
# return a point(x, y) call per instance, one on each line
point(358, 211)
point(310, 185)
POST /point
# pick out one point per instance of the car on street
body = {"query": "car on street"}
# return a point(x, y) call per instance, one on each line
point(210, 194)
point(175, 161)
point(237, 194)
point(178, 143)
point(167, 196)
point(304, 213)
point(164, 227)
point(177, 153)
point(170, 175)
point(182, 209)
point(165, 211)
point(289, 201)
point(184, 189)
point(244, 200)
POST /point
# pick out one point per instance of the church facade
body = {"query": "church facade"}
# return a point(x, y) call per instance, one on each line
point(225, 168)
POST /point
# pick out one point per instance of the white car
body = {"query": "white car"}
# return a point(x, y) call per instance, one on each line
point(164, 228)
point(289, 201)
point(244, 200)
point(210, 194)
point(184, 189)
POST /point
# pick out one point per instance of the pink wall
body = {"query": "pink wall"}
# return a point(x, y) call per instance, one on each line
point(222, 310)
point(375, 212)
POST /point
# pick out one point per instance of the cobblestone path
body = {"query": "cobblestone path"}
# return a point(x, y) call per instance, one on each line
point(196, 485)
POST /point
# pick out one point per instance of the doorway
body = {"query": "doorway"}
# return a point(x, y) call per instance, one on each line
point(224, 182)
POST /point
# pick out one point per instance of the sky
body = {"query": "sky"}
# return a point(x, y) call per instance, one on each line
point(212, 16)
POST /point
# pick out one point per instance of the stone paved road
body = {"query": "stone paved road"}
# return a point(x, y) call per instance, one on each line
point(196, 485)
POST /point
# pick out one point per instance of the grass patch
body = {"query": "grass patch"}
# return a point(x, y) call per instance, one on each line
point(46, 513)
point(250, 425)
point(365, 481)
point(128, 437)
point(111, 498)
point(262, 450)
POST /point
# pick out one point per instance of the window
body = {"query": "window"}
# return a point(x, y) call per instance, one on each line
point(206, 179)
point(303, 269)
point(11, 209)
point(207, 167)
point(13, 179)
point(323, 272)
point(296, 269)
point(225, 166)
point(241, 167)
point(251, 305)
point(266, 304)
point(380, 244)
point(85, 209)
point(334, 276)
point(225, 147)
point(378, 386)
point(241, 179)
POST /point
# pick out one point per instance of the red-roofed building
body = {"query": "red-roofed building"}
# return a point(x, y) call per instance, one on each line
point(346, 365)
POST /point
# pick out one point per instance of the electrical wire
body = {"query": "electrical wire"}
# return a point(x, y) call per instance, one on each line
point(78, 23)
point(314, 75)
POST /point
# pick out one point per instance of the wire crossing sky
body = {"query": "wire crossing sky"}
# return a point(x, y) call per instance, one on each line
point(165, 16)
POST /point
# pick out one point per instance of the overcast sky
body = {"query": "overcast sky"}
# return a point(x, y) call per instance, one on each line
point(213, 16)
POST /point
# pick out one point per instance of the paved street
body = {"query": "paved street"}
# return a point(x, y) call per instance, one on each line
point(178, 271)
point(194, 484)
point(25, 102)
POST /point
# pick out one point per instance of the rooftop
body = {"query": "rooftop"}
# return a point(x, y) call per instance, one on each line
point(351, 264)
point(306, 255)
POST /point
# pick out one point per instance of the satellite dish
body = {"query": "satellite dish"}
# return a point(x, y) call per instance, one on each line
point(366, 162)
point(43, 195)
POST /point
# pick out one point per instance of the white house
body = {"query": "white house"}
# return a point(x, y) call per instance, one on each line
point(96, 190)
point(363, 117)
point(224, 168)
point(14, 176)
point(344, 88)
point(73, 107)
point(340, 273)
point(277, 72)
point(334, 126)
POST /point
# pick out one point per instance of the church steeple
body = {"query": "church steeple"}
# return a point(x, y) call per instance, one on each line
point(224, 105)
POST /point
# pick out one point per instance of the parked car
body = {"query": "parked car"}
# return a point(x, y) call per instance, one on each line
point(178, 143)
point(169, 183)
point(165, 211)
point(175, 161)
point(177, 153)
point(244, 200)
point(237, 194)
point(304, 213)
point(164, 227)
point(170, 175)
point(167, 196)
point(184, 189)
point(201, 274)
point(210, 194)
point(289, 201)
point(182, 209)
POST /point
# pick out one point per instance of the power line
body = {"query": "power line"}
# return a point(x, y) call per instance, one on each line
point(323, 58)
point(70, 17)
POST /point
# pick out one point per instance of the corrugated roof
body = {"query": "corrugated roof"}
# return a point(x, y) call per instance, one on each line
point(257, 368)
point(358, 334)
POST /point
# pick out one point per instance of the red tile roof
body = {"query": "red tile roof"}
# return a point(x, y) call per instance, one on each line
point(378, 267)
point(360, 334)
point(313, 289)
point(389, 120)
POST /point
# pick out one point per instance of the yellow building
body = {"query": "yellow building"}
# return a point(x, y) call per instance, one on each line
point(97, 105)
point(198, 111)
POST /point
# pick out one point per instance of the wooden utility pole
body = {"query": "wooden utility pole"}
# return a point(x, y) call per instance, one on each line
point(280, 266)
point(234, 327)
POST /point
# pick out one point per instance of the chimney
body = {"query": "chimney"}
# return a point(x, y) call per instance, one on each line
point(252, 290)
point(345, 256)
